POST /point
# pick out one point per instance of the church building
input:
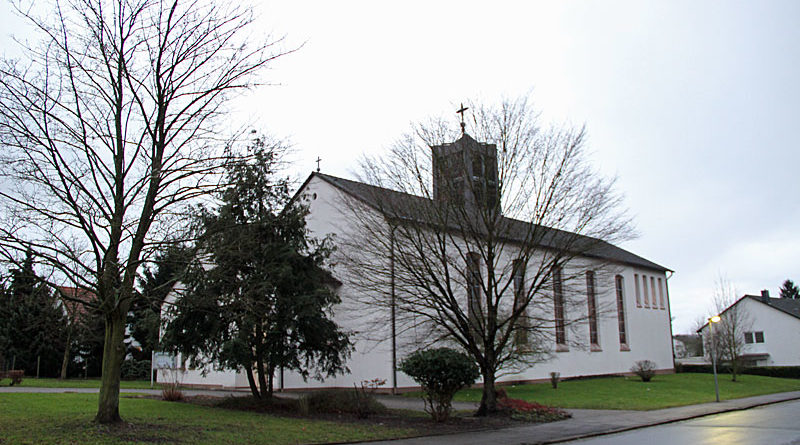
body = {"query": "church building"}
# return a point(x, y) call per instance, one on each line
point(618, 312)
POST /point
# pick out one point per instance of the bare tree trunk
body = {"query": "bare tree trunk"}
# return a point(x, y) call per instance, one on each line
point(252, 382)
point(262, 381)
point(65, 361)
point(271, 380)
point(489, 397)
point(113, 355)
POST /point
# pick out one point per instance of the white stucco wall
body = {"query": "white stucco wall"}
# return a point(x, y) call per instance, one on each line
point(648, 328)
point(781, 334)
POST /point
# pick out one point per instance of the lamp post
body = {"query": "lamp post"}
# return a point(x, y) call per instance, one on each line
point(711, 321)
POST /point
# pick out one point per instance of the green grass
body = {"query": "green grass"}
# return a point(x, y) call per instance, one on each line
point(32, 382)
point(67, 419)
point(663, 391)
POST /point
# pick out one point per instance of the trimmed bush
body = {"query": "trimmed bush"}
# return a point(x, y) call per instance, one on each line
point(441, 372)
point(786, 372)
point(645, 369)
point(555, 377)
point(361, 404)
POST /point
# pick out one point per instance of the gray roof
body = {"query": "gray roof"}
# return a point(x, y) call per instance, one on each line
point(787, 305)
point(406, 206)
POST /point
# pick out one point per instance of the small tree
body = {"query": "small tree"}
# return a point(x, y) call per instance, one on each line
point(482, 246)
point(34, 323)
point(645, 369)
point(790, 290)
point(728, 340)
point(108, 128)
point(259, 298)
point(441, 372)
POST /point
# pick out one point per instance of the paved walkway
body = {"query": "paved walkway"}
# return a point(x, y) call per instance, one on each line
point(584, 422)
point(588, 423)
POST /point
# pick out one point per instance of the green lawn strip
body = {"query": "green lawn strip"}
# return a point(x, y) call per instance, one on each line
point(32, 382)
point(663, 391)
point(67, 418)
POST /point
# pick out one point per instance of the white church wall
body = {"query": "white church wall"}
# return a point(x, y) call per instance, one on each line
point(648, 329)
point(648, 338)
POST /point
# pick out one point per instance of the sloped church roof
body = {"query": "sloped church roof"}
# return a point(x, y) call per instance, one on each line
point(405, 205)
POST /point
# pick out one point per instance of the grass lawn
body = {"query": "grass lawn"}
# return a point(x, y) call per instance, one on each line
point(631, 393)
point(67, 418)
point(32, 382)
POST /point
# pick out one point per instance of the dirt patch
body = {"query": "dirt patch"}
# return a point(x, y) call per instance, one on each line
point(418, 422)
point(138, 432)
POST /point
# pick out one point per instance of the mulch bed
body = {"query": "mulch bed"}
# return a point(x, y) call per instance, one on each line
point(419, 422)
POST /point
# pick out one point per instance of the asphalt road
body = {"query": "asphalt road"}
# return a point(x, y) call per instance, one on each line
point(777, 424)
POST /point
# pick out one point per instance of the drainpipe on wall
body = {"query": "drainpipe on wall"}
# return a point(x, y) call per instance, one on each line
point(394, 310)
point(669, 316)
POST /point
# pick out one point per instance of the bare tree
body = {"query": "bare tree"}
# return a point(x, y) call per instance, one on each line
point(485, 244)
point(109, 126)
point(728, 340)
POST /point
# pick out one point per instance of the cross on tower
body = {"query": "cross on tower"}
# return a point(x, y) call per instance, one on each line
point(318, 159)
point(461, 112)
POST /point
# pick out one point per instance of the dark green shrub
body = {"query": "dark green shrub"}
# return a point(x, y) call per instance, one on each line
point(786, 372)
point(133, 369)
point(441, 372)
point(353, 402)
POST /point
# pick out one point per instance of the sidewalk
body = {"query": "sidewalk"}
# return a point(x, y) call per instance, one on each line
point(584, 422)
point(587, 423)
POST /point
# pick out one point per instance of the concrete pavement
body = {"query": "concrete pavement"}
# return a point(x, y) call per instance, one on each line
point(584, 422)
point(589, 423)
point(764, 425)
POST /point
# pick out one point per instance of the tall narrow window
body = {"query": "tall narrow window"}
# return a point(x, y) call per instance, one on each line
point(661, 293)
point(473, 288)
point(558, 303)
point(653, 291)
point(521, 333)
point(638, 295)
point(644, 290)
point(623, 334)
point(592, 307)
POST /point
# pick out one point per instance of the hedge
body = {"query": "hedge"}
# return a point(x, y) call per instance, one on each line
point(133, 369)
point(787, 372)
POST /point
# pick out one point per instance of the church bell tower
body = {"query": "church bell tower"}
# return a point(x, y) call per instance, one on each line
point(465, 173)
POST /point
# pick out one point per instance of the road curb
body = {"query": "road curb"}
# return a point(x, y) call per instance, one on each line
point(657, 423)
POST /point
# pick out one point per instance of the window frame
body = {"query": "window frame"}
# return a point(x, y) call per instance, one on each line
point(474, 277)
point(518, 278)
point(638, 291)
point(559, 310)
point(619, 284)
point(591, 297)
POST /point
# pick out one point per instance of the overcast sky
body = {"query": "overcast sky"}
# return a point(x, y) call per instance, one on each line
point(692, 104)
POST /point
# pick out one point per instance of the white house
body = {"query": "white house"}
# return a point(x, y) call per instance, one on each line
point(636, 325)
point(771, 330)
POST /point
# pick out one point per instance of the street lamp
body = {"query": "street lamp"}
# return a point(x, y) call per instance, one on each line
point(711, 321)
